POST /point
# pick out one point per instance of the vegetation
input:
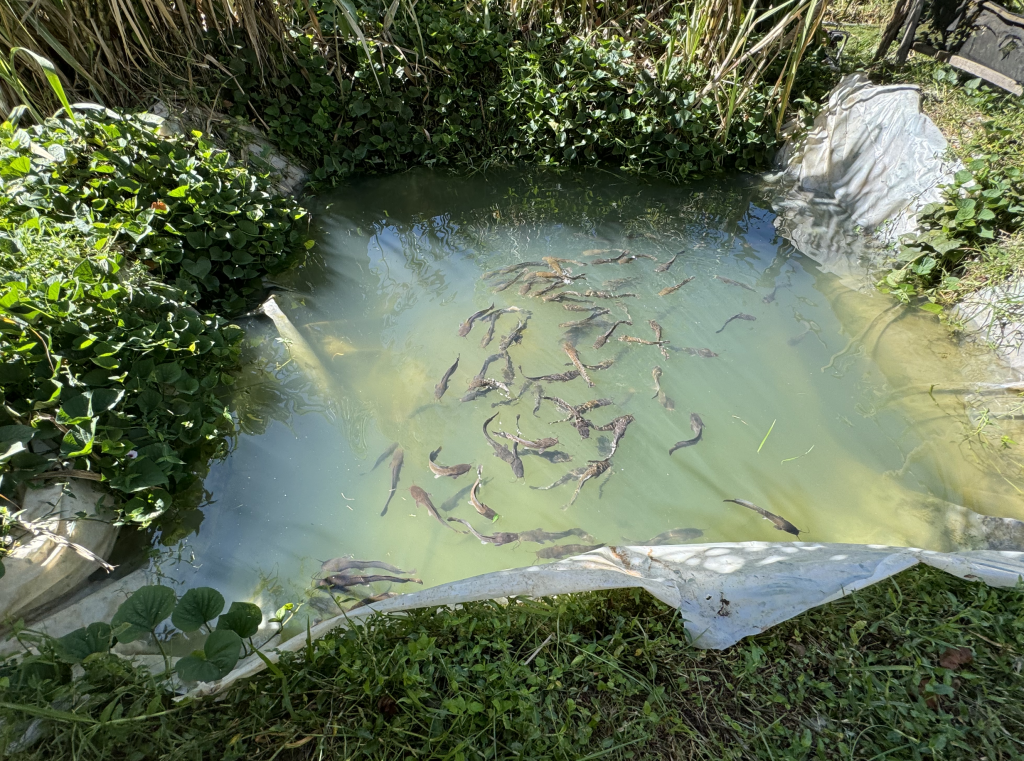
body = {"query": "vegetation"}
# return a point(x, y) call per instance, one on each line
point(923, 665)
point(122, 255)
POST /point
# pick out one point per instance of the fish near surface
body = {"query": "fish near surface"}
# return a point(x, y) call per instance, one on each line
point(504, 284)
point(556, 378)
point(338, 565)
point(467, 326)
point(664, 267)
point(502, 452)
point(618, 426)
point(596, 468)
point(706, 353)
point(539, 536)
point(454, 471)
point(497, 539)
point(672, 536)
point(540, 444)
point(479, 506)
point(342, 581)
point(510, 268)
point(384, 455)
point(603, 338)
point(553, 456)
point(575, 359)
point(779, 522)
point(396, 469)
point(727, 281)
point(423, 499)
point(442, 385)
point(697, 426)
point(738, 316)
point(565, 550)
point(656, 374)
point(676, 287)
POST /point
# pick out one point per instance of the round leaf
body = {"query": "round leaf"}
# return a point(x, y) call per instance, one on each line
point(143, 611)
point(196, 607)
point(81, 643)
point(243, 618)
point(222, 648)
point(195, 668)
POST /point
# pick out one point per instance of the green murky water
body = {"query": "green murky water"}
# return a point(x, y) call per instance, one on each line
point(866, 405)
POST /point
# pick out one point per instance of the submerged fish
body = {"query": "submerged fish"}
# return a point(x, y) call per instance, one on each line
point(343, 581)
point(603, 338)
point(565, 296)
point(727, 281)
point(575, 359)
point(442, 385)
point(512, 338)
point(771, 296)
point(502, 452)
point(455, 500)
point(506, 283)
point(618, 425)
point(384, 455)
point(780, 523)
point(739, 316)
point(676, 287)
point(574, 415)
point(706, 353)
point(607, 295)
point(540, 396)
point(497, 539)
point(467, 326)
point(570, 476)
point(539, 536)
point(697, 425)
point(556, 378)
point(666, 401)
point(527, 443)
point(664, 267)
point(618, 282)
point(492, 321)
point(479, 506)
point(510, 268)
point(656, 374)
point(423, 499)
point(604, 364)
point(578, 323)
point(396, 468)
point(454, 471)
point(641, 341)
point(596, 468)
point(564, 550)
point(672, 536)
point(551, 455)
point(657, 335)
point(516, 398)
point(338, 565)
point(508, 374)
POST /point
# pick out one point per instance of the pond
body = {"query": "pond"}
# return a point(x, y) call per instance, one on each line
point(847, 418)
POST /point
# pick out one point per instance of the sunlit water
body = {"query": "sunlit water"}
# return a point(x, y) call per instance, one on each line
point(848, 448)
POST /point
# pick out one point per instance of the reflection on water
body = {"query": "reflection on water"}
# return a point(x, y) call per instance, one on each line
point(822, 405)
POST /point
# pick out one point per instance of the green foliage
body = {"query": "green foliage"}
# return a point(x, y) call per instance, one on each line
point(242, 618)
point(218, 656)
point(197, 607)
point(611, 675)
point(141, 613)
point(81, 643)
point(486, 91)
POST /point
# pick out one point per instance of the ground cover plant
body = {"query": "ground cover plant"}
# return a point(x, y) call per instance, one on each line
point(920, 666)
point(123, 255)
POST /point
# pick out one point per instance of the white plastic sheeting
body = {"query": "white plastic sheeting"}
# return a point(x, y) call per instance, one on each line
point(724, 591)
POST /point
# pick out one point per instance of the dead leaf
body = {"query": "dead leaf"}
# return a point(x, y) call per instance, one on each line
point(930, 699)
point(798, 648)
point(387, 706)
point(954, 658)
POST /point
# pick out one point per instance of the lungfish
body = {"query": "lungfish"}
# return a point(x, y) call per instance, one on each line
point(780, 523)
point(422, 498)
point(454, 471)
point(396, 468)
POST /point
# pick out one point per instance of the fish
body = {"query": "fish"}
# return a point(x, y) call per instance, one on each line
point(423, 499)
point(599, 251)
point(578, 308)
point(657, 336)
point(664, 267)
point(780, 523)
point(527, 443)
point(771, 296)
point(676, 287)
point(596, 468)
point(342, 581)
point(338, 565)
point(666, 401)
point(454, 471)
point(603, 338)
point(572, 474)
point(487, 363)
point(504, 284)
point(396, 468)
point(467, 326)
point(624, 258)
point(516, 336)
point(455, 500)
point(480, 386)
point(497, 539)
point(374, 598)
point(510, 268)
point(706, 353)
point(618, 282)
point(575, 359)
point(581, 424)
point(502, 452)
point(727, 281)
point(509, 373)
point(607, 295)
point(514, 399)
point(564, 550)
point(554, 456)
point(384, 455)
point(656, 374)
point(540, 396)
point(697, 425)
point(641, 341)
point(618, 425)
point(593, 404)
point(555, 263)
point(479, 506)
point(526, 287)
point(555, 378)
point(492, 320)
point(577, 323)
point(539, 536)
point(604, 364)
point(739, 316)
point(672, 536)
point(442, 385)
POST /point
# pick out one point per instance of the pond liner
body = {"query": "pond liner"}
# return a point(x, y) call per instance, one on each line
point(724, 592)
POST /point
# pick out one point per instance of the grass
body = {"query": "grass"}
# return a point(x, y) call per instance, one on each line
point(599, 675)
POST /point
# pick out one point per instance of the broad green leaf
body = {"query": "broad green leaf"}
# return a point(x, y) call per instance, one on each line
point(223, 647)
point(81, 643)
point(178, 192)
point(144, 611)
point(931, 307)
point(196, 607)
point(243, 618)
point(200, 268)
point(168, 372)
point(195, 668)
